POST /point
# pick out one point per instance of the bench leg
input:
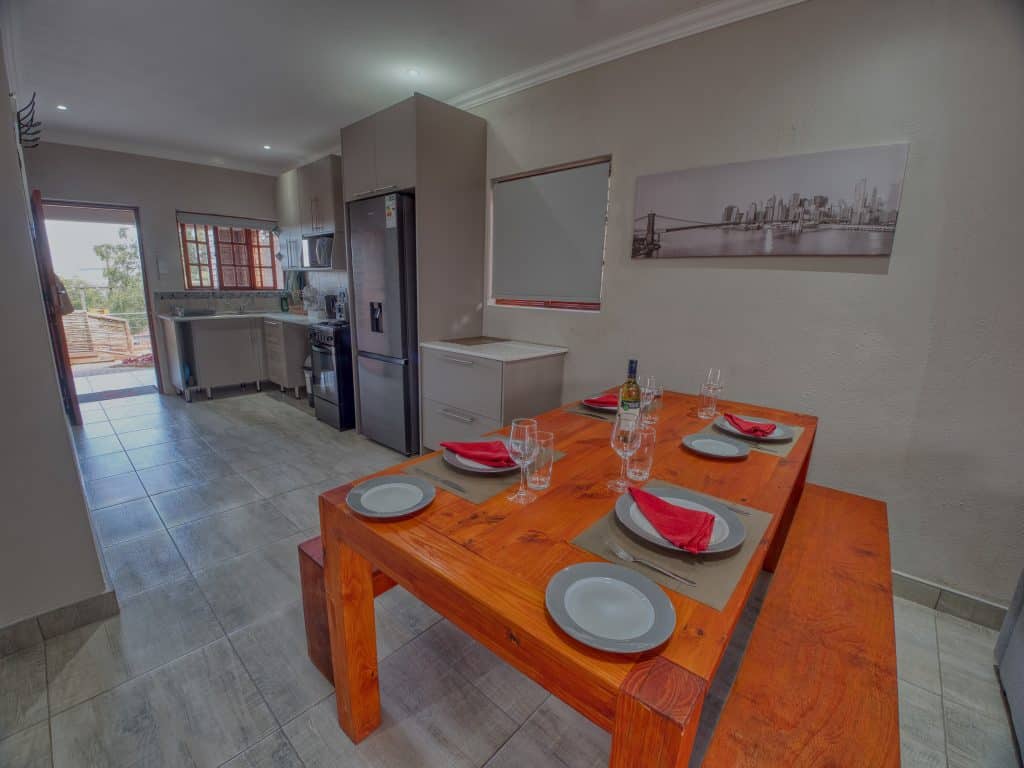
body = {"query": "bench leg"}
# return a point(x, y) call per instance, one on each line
point(656, 716)
point(348, 578)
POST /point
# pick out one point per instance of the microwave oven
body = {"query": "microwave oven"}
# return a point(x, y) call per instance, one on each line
point(317, 251)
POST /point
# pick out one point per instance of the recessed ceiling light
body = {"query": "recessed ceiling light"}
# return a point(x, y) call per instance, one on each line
point(413, 72)
point(62, 108)
point(266, 146)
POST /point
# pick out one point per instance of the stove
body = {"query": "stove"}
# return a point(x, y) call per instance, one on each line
point(333, 391)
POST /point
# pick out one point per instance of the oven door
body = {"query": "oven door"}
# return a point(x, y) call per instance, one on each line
point(325, 376)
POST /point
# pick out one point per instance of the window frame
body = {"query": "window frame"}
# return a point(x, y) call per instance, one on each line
point(214, 242)
point(557, 304)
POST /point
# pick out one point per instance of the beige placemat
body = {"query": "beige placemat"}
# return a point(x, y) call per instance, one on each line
point(471, 487)
point(716, 576)
point(581, 410)
point(774, 449)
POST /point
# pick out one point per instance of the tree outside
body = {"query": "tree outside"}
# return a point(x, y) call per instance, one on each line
point(123, 294)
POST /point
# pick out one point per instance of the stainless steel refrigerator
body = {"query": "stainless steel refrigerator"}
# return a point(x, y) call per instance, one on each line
point(382, 243)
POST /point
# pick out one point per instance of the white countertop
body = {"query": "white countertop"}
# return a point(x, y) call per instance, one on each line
point(502, 350)
point(284, 317)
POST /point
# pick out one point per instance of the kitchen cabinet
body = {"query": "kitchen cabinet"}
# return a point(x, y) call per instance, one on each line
point(286, 346)
point(227, 352)
point(477, 386)
point(286, 196)
point(379, 152)
point(316, 196)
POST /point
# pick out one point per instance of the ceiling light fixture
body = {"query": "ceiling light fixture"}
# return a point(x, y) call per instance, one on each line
point(266, 146)
point(62, 108)
point(413, 72)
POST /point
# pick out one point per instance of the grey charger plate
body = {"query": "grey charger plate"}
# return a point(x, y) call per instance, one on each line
point(781, 434)
point(729, 530)
point(716, 447)
point(610, 607)
point(455, 461)
point(390, 497)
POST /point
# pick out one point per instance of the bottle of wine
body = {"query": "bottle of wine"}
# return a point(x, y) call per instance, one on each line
point(629, 393)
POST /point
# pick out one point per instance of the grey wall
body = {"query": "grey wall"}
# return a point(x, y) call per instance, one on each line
point(158, 188)
point(48, 555)
point(914, 366)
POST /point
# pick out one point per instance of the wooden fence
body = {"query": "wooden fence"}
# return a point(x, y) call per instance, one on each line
point(97, 337)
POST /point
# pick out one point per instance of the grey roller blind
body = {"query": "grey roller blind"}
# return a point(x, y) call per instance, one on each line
point(548, 235)
point(189, 217)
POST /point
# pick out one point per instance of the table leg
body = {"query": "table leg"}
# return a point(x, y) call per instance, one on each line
point(656, 716)
point(771, 558)
point(348, 579)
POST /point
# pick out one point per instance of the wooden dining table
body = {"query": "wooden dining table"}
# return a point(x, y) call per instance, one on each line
point(485, 568)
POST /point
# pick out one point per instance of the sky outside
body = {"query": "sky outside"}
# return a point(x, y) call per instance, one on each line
point(71, 246)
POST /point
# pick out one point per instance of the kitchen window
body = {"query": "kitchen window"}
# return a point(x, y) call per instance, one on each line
point(548, 236)
point(230, 254)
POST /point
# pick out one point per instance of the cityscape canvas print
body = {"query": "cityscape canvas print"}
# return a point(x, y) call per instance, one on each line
point(840, 203)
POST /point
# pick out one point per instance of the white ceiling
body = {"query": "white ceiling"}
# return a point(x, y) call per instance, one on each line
point(213, 81)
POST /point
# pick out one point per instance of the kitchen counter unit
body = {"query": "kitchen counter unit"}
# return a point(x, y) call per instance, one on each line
point(284, 317)
point(501, 350)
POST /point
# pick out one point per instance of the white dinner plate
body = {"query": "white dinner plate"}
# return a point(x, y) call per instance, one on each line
point(728, 533)
point(716, 447)
point(781, 434)
point(463, 464)
point(390, 497)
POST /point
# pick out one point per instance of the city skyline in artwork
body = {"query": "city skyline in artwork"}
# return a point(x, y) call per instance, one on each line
point(843, 203)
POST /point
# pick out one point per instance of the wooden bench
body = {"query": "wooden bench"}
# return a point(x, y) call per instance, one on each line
point(817, 685)
point(314, 603)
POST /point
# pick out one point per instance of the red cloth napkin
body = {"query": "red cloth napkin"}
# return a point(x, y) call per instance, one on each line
point(493, 453)
point(688, 529)
point(752, 428)
point(604, 401)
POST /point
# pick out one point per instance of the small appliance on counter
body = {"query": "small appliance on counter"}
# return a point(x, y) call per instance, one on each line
point(331, 306)
point(333, 391)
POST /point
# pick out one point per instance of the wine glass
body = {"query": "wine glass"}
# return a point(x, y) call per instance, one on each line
point(522, 447)
point(625, 441)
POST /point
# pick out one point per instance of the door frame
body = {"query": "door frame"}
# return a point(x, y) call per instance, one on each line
point(54, 202)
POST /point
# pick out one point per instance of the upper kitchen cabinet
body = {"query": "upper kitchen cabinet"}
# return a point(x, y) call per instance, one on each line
point(289, 221)
point(379, 152)
point(440, 153)
point(317, 190)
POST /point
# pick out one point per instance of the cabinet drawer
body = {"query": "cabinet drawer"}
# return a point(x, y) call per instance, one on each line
point(469, 383)
point(445, 422)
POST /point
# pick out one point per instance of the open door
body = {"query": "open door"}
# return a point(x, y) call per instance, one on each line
point(54, 314)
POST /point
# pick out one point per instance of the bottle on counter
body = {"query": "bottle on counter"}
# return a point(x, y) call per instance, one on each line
point(629, 393)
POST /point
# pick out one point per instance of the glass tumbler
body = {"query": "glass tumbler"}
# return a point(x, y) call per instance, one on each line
point(652, 398)
point(710, 391)
point(538, 474)
point(638, 470)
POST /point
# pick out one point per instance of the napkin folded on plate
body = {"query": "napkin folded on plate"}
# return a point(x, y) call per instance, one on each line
point(604, 401)
point(493, 453)
point(752, 428)
point(688, 529)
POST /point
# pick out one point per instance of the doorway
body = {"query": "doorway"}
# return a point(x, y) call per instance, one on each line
point(96, 255)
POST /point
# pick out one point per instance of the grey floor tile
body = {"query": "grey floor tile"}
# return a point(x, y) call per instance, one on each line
point(516, 694)
point(92, 416)
point(203, 499)
point(166, 453)
point(275, 751)
point(168, 477)
point(122, 522)
point(248, 588)
point(209, 540)
point(556, 736)
point(247, 458)
point(200, 710)
point(83, 663)
point(917, 649)
point(155, 436)
point(210, 466)
point(108, 491)
point(104, 465)
point(922, 733)
point(147, 421)
point(285, 477)
point(29, 748)
point(967, 665)
point(400, 617)
point(92, 431)
point(399, 741)
point(22, 690)
point(144, 562)
point(976, 741)
point(273, 649)
point(98, 446)
point(301, 505)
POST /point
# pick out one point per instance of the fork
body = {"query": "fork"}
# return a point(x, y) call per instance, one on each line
point(626, 557)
